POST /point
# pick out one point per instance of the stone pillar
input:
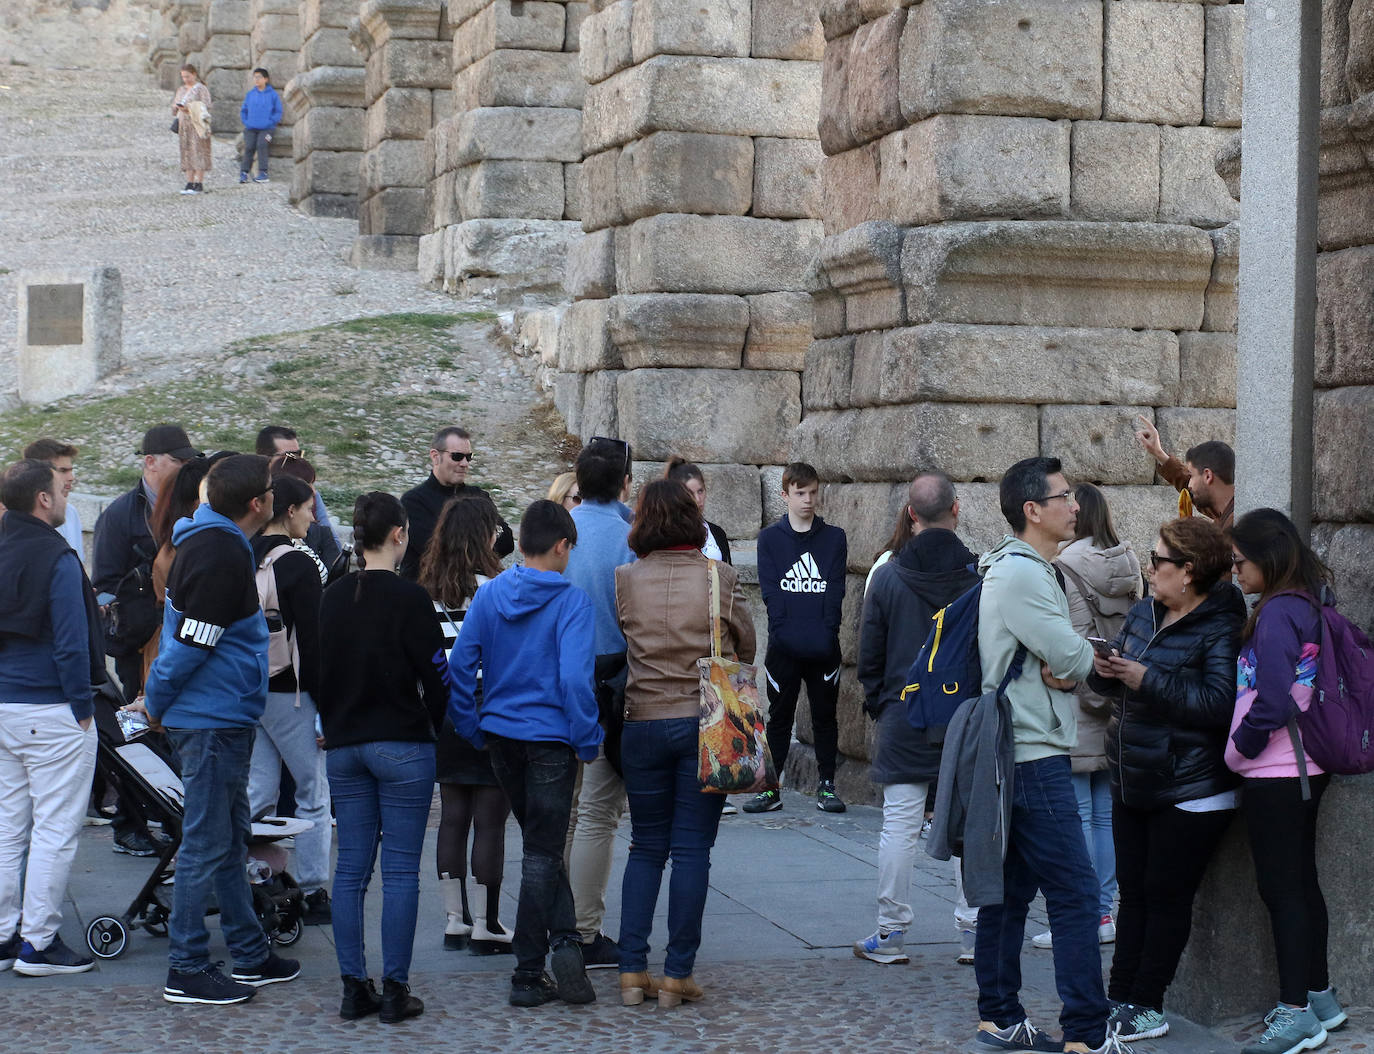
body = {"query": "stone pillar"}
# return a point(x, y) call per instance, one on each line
point(1027, 244)
point(227, 57)
point(326, 97)
point(698, 192)
point(503, 202)
point(191, 32)
point(164, 54)
point(70, 331)
point(276, 46)
point(407, 66)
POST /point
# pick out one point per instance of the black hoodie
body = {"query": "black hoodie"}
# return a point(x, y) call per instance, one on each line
point(801, 577)
point(930, 572)
point(423, 505)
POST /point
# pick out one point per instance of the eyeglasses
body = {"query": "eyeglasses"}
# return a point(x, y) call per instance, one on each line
point(1156, 559)
point(290, 455)
point(459, 455)
point(616, 442)
point(1236, 561)
point(576, 499)
point(1066, 496)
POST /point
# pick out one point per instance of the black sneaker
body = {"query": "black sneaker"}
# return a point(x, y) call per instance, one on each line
point(272, 970)
point(9, 951)
point(764, 801)
point(570, 974)
point(136, 843)
point(533, 991)
point(601, 953)
point(208, 986)
point(317, 911)
point(56, 958)
point(826, 798)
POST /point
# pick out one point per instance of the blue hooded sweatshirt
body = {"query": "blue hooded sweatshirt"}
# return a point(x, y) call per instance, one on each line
point(211, 667)
point(530, 632)
point(261, 110)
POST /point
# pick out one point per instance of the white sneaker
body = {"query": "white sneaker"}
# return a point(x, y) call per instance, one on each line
point(729, 809)
point(1043, 940)
point(1106, 930)
point(966, 942)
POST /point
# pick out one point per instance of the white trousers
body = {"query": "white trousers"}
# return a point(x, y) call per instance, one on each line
point(46, 764)
point(286, 733)
point(904, 810)
point(598, 804)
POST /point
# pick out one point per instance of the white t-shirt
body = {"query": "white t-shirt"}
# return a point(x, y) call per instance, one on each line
point(71, 530)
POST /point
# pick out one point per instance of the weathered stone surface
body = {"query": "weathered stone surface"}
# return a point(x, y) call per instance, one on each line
point(779, 331)
point(329, 47)
point(283, 65)
point(408, 64)
point(1335, 91)
point(1345, 188)
point(833, 127)
point(1190, 190)
point(225, 50)
point(384, 252)
point(1024, 58)
point(1225, 54)
point(496, 254)
point(733, 501)
point(1155, 62)
point(511, 189)
point(671, 27)
point(724, 96)
point(529, 133)
point(872, 97)
point(520, 78)
point(849, 188)
point(1220, 302)
point(864, 265)
point(738, 417)
point(1207, 369)
point(572, 192)
point(1349, 552)
point(584, 339)
point(591, 266)
point(600, 194)
point(865, 377)
point(1029, 364)
point(1115, 171)
point(568, 397)
point(967, 440)
point(395, 163)
point(332, 86)
point(828, 304)
point(228, 16)
point(1096, 443)
point(330, 172)
point(787, 29)
point(321, 14)
point(679, 329)
point(386, 20)
point(1345, 317)
point(826, 378)
point(226, 84)
point(686, 172)
point(276, 33)
point(1183, 427)
point(1127, 275)
point(605, 47)
point(787, 183)
point(867, 513)
point(531, 25)
point(599, 413)
point(1343, 428)
point(578, 11)
point(968, 167)
point(70, 331)
point(674, 253)
point(774, 508)
point(429, 258)
point(401, 113)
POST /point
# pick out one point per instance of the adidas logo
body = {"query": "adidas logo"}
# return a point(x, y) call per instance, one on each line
point(804, 576)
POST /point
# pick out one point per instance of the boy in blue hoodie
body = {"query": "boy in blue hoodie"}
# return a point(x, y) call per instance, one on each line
point(802, 563)
point(208, 687)
point(260, 113)
point(530, 631)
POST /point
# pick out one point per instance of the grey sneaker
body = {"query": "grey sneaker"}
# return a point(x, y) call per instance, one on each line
point(1290, 1030)
point(764, 801)
point(1023, 1038)
point(1324, 1004)
point(1133, 1022)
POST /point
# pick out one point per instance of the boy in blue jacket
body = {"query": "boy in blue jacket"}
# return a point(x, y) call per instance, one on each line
point(208, 687)
point(530, 631)
point(802, 563)
point(260, 113)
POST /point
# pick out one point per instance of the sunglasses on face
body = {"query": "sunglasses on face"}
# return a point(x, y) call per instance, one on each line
point(459, 455)
point(1156, 559)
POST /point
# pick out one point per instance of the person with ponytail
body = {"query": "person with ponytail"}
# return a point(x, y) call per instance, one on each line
point(717, 546)
point(382, 699)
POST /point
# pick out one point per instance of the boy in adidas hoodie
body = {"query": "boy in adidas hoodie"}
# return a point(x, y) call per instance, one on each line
point(802, 563)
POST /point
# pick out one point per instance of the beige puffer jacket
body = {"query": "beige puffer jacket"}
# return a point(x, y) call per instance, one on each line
point(1113, 578)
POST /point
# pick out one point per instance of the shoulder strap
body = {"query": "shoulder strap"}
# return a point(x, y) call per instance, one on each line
point(715, 609)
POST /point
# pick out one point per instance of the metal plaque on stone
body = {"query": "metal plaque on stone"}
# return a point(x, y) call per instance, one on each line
point(55, 313)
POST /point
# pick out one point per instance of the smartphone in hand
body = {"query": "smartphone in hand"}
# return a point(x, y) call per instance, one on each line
point(1101, 647)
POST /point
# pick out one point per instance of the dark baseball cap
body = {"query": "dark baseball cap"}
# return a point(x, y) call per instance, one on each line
point(169, 439)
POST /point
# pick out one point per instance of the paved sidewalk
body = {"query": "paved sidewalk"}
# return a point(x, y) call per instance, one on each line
point(791, 891)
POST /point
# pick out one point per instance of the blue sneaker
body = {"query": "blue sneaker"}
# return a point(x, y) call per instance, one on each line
point(55, 959)
point(260, 178)
point(1023, 1038)
point(9, 951)
point(243, 177)
point(1290, 1030)
point(882, 948)
point(1324, 1004)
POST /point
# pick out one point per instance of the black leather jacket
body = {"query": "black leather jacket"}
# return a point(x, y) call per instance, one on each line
point(1166, 741)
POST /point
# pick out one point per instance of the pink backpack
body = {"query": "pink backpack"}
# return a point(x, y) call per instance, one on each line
point(282, 653)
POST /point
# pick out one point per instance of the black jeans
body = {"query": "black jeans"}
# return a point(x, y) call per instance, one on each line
point(785, 673)
point(1283, 843)
point(1161, 856)
point(538, 779)
point(255, 143)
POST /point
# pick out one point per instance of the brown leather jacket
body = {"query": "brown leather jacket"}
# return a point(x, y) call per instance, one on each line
point(663, 603)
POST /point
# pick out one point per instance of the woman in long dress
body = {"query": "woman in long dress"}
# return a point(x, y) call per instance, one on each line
point(193, 128)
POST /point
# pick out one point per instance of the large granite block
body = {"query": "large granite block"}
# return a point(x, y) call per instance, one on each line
point(779, 331)
point(672, 27)
point(679, 329)
point(787, 183)
point(675, 253)
point(686, 172)
point(1207, 369)
point(511, 190)
point(1155, 62)
point(525, 133)
point(741, 417)
point(1343, 429)
point(1345, 317)
point(1096, 443)
point(787, 29)
point(1115, 171)
point(1190, 190)
point(520, 78)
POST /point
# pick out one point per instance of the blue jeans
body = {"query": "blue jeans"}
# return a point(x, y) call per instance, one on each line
point(214, 833)
point(669, 815)
point(382, 792)
point(1094, 793)
point(1045, 852)
point(538, 779)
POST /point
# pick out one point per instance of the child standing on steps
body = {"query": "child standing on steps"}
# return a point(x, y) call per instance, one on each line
point(260, 113)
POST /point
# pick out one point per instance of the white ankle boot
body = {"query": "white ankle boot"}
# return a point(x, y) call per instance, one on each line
point(482, 940)
point(456, 931)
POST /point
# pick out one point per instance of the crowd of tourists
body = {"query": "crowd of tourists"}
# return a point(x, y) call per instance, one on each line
point(1137, 707)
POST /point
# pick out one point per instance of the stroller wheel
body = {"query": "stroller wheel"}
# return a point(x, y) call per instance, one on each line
point(290, 935)
point(107, 937)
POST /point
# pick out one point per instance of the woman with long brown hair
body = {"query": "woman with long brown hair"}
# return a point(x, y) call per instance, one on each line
point(458, 560)
point(191, 110)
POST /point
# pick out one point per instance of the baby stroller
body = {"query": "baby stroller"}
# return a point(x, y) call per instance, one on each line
point(147, 782)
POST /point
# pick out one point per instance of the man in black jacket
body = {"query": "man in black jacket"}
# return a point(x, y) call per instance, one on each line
point(931, 570)
point(450, 457)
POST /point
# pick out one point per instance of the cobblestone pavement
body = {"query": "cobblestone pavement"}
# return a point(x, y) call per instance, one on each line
point(790, 891)
point(90, 177)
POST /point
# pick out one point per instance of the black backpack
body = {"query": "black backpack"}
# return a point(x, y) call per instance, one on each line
point(132, 617)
